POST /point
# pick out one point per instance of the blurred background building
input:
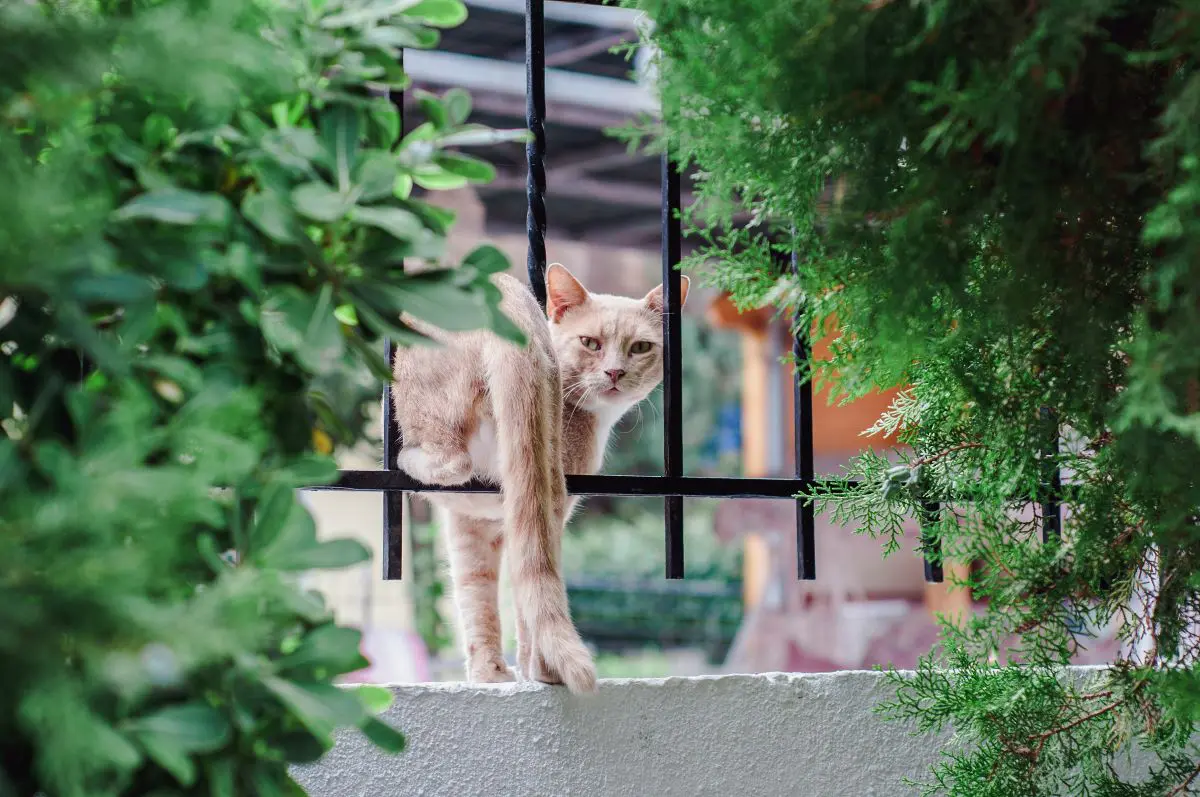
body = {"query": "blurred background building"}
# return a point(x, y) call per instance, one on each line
point(741, 608)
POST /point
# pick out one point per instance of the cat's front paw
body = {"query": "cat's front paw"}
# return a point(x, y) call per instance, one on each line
point(445, 468)
point(489, 671)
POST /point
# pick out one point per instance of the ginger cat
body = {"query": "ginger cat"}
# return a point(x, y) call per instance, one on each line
point(520, 417)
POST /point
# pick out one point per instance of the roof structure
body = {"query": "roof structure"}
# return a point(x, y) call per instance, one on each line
point(597, 191)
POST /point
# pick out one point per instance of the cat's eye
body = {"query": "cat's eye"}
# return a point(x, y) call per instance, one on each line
point(641, 347)
point(591, 344)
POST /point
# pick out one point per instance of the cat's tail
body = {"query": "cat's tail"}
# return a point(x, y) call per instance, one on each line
point(527, 400)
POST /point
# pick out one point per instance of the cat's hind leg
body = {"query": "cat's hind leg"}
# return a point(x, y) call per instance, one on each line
point(474, 547)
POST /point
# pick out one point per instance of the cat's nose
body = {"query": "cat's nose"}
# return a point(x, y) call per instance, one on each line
point(615, 375)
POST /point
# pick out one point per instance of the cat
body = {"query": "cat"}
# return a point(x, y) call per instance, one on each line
point(479, 406)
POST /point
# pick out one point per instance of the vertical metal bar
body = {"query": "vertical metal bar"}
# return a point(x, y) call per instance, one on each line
point(393, 502)
point(806, 519)
point(672, 362)
point(1052, 482)
point(931, 541)
point(535, 150)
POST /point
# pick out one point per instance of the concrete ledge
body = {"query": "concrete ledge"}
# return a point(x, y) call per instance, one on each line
point(727, 736)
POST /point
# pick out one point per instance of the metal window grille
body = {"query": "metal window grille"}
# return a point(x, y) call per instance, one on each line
point(672, 486)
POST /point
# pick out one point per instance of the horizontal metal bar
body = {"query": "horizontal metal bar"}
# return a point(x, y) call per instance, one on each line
point(474, 73)
point(574, 11)
point(688, 486)
point(613, 484)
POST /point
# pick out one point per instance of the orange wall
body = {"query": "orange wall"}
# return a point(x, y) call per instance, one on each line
point(839, 428)
point(836, 429)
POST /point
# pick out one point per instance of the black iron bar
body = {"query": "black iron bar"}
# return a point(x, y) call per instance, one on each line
point(672, 363)
point(600, 484)
point(1051, 497)
point(393, 502)
point(931, 541)
point(802, 422)
point(535, 149)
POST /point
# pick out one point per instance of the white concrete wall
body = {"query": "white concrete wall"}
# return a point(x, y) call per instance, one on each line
point(728, 736)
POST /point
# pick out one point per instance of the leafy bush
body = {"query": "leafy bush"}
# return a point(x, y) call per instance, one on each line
point(204, 210)
point(993, 205)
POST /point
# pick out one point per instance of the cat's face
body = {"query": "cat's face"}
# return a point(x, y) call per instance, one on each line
point(609, 347)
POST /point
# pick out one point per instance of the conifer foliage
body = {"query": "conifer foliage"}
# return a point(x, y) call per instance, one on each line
point(993, 205)
point(204, 205)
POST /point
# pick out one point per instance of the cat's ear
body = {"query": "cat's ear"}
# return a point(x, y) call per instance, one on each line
point(563, 291)
point(654, 299)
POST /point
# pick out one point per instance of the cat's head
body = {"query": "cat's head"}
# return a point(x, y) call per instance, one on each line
point(609, 348)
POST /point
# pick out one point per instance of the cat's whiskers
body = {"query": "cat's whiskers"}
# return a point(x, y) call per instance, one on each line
point(578, 404)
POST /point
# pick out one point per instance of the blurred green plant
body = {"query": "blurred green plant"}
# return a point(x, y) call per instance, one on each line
point(628, 545)
point(203, 214)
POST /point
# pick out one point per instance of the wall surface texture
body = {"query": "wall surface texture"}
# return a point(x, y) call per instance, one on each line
point(727, 736)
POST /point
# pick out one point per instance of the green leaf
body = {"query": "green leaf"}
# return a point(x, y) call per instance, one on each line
point(439, 13)
point(362, 14)
point(156, 130)
point(396, 37)
point(322, 708)
point(369, 357)
point(318, 201)
point(221, 779)
point(175, 206)
point(375, 699)
point(436, 297)
point(345, 314)
point(376, 175)
point(276, 508)
point(402, 189)
point(457, 103)
point(172, 735)
point(120, 288)
point(1162, 224)
point(487, 259)
point(473, 169)
point(301, 747)
point(331, 555)
point(10, 462)
point(422, 132)
point(284, 537)
point(309, 470)
point(434, 110)
point(434, 178)
point(294, 147)
point(397, 222)
point(272, 216)
point(480, 136)
point(284, 317)
point(329, 647)
point(383, 736)
point(339, 131)
point(387, 119)
point(306, 327)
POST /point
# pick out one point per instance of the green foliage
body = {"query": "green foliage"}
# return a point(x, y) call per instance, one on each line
point(994, 205)
point(629, 545)
point(204, 212)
